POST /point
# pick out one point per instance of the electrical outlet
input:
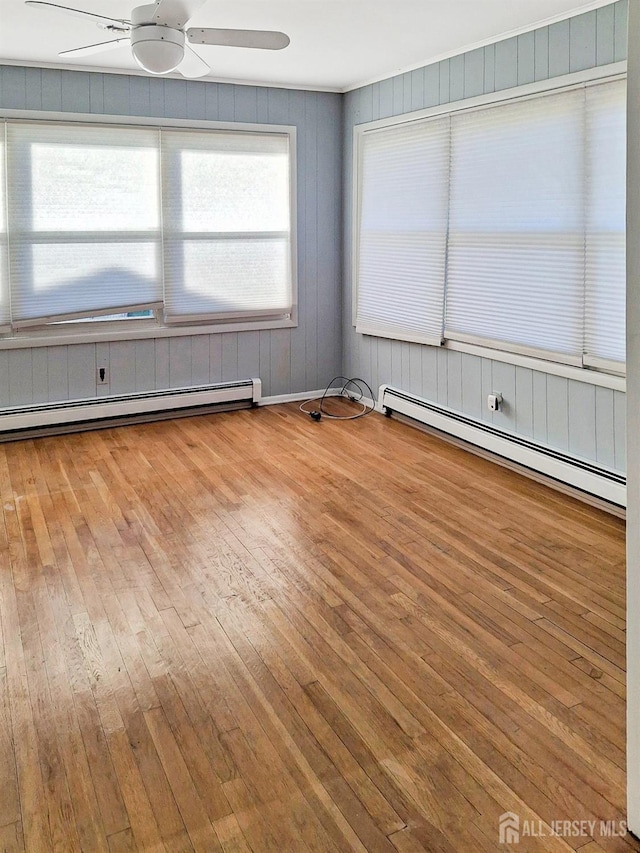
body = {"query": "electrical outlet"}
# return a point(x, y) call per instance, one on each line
point(494, 402)
point(102, 376)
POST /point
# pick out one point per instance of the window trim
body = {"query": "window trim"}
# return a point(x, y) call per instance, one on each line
point(512, 352)
point(142, 328)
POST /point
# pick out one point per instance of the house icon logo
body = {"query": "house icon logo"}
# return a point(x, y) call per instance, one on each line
point(509, 828)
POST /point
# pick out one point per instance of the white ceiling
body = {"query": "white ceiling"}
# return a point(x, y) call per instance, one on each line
point(335, 45)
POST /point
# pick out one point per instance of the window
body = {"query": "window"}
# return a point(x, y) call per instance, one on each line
point(403, 232)
point(144, 225)
point(530, 201)
point(227, 225)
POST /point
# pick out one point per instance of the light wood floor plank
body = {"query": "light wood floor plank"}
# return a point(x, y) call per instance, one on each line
point(252, 633)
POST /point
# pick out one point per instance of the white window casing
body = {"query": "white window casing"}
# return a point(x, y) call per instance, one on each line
point(178, 229)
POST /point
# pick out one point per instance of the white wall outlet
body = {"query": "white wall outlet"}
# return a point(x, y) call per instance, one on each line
point(494, 401)
point(102, 376)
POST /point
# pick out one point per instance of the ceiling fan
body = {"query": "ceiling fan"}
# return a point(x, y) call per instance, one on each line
point(159, 39)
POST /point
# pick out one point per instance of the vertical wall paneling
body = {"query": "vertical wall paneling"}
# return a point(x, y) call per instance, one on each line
point(248, 354)
point(20, 376)
point(33, 86)
point(489, 69)
point(415, 370)
point(58, 373)
point(40, 368)
point(161, 352)
point(180, 360)
point(122, 367)
point(582, 42)
point(582, 424)
point(559, 61)
point(328, 233)
point(537, 404)
point(605, 434)
point(541, 53)
point(264, 356)
point(526, 58)
point(96, 94)
point(51, 82)
point(280, 362)
point(116, 95)
point(444, 80)
point(82, 370)
point(417, 89)
point(456, 77)
point(619, 418)
point(442, 367)
point(431, 87)
point(75, 92)
point(471, 380)
point(474, 73)
point(558, 412)
point(621, 14)
point(140, 96)
point(540, 431)
point(487, 387)
point(524, 401)
point(454, 380)
point(197, 102)
point(504, 383)
point(146, 364)
point(200, 364)
point(506, 71)
point(605, 35)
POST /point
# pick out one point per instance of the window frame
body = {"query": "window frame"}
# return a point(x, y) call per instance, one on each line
point(510, 353)
point(153, 327)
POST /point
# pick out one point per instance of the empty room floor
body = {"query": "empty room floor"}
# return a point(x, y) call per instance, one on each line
point(252, 632)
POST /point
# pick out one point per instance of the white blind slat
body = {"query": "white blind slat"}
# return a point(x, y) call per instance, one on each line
point(402, 230)
point(235, 188)
point(605, 281)
point(516, 246)
point(85, 215)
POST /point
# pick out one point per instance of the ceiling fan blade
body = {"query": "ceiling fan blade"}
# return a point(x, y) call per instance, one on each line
point(175, 13)
point(77, 13)
point(192, 65)
point(260, 39)
point(94, 48)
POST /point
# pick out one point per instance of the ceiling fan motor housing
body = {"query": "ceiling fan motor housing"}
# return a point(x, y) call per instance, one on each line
point(156, 48)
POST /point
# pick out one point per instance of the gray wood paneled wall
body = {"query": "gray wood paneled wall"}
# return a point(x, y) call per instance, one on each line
point(287, 360)
point(573, 416)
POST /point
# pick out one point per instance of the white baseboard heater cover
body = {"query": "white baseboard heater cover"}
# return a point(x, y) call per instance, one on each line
point(604, 483)
point(69, 415)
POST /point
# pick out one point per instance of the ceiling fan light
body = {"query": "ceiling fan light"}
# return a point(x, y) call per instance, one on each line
point(157, 49)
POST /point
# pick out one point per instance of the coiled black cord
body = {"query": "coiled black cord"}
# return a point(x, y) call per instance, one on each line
point(353, 389)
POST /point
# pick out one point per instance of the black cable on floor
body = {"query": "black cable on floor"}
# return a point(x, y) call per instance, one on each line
point(353, 389)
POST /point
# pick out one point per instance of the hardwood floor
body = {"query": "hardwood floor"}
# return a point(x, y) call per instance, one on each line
point(252, 632)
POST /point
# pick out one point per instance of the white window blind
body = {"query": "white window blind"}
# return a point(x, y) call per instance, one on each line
point(516, 239)
point(605, 227)
point(84, 209)
point(227, 225)
point(402, 231)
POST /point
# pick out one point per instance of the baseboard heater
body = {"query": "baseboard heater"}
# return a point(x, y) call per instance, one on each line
point(118, 409)
point(586, 476)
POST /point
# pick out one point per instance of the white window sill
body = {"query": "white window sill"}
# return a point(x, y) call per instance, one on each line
point(135, 331)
